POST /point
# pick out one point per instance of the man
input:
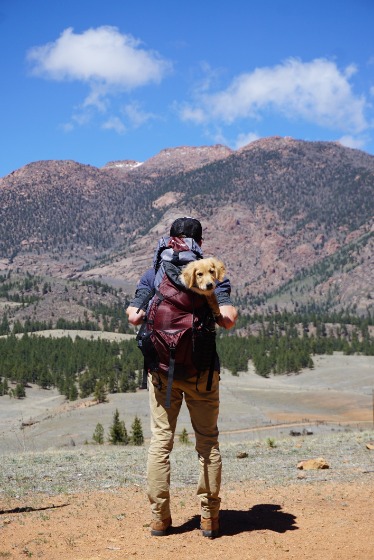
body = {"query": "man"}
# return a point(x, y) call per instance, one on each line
point(202, 402)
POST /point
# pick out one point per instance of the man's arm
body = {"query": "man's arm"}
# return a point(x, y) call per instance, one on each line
point(228, 316)
point(144, 290)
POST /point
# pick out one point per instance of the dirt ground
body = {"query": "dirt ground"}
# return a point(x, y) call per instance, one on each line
point(326, 520)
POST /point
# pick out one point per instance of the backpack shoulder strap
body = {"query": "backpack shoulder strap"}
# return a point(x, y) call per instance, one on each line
point(147, 298)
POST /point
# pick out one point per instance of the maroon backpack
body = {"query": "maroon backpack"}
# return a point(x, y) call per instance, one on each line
point(178, 335)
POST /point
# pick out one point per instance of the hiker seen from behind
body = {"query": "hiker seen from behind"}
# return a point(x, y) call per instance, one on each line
point(177, 338)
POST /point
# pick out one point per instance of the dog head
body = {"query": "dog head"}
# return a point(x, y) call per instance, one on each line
point(200, 276)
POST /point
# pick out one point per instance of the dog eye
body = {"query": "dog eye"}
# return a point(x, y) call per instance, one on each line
point(211, 271)
point(199, 274)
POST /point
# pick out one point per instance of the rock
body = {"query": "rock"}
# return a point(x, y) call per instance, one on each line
point(313, 464)
point(370, 445)
point(242, 455)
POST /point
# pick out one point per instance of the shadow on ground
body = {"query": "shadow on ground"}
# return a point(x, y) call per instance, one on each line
point(268, 517)
point(27, 509)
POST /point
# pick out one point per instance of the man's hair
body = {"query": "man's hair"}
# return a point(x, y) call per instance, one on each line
point(187, 227)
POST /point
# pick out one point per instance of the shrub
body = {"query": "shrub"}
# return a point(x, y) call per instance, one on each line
point(183, 437)
point(137, 437)
point(98, 434)
point(117, 431)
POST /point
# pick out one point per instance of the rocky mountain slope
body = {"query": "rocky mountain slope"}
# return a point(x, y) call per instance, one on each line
point(293, 220)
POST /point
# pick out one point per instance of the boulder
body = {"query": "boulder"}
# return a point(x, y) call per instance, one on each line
point(313, 464)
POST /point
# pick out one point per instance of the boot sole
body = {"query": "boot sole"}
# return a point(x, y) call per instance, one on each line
point(210, 534)
point(155, 533)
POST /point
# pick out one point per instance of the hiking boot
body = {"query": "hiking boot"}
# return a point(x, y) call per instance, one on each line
point(209, 527)
point(160, 528)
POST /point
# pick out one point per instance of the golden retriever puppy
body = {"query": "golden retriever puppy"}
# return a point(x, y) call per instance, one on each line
point(200, 277)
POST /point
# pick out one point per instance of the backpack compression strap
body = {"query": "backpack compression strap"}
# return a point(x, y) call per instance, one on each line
point(211, 371)
point(170, 376)
point(210, 374)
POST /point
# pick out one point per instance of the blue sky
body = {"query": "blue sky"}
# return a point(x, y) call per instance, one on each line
point(101, 80)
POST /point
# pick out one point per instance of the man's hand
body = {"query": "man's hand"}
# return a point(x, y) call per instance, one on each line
point(228, 316)
point(135, 317)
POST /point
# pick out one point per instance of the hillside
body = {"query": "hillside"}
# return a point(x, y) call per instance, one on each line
point(293, 220)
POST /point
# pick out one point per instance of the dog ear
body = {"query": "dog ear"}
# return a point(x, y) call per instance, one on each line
point(220, 270)
point(189, 275)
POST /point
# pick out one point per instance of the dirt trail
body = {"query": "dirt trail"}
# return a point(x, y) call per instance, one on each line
point(327, 521)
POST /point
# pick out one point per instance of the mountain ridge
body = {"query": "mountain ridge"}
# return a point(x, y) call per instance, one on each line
point(272, 210)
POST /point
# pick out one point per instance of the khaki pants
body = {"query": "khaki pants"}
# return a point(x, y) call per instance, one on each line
point(203, 407)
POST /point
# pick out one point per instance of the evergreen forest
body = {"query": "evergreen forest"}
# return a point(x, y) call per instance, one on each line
point(276, 344)
point(76, 367)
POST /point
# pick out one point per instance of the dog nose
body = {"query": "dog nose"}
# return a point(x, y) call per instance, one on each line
point(209, 286)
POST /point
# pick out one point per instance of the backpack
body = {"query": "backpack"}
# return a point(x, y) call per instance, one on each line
point(178, 335)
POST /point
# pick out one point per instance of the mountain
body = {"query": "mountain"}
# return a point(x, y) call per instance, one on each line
point(54, 205)
point(292, 220)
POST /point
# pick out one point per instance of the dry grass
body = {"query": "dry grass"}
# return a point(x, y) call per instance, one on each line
point(103, 467)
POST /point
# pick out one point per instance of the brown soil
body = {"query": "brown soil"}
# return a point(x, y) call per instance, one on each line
point(327, 520)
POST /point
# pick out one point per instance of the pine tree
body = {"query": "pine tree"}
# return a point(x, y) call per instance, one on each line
point(117, 431)
point(73, 392)
point(183, 438)
point(4, 325)
point(100, 392)
point(124, 382)
point(44, 378)
point(137, 437)
point(98, 434)
point(5, 386)
point(19, 391)
point(87, 383)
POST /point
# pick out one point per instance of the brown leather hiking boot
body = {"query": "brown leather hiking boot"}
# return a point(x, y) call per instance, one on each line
point(160, 528)
point(209, 527)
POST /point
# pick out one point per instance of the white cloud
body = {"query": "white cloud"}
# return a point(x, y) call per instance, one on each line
point(352, 142)
point(210, 77)
point(67, 127)
point(97, 98)
point(315, 91)
point(136, 115)
point(244, 139)
point(103, 58)
point(195, 114)
point(218, 136)
point(115, 123)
